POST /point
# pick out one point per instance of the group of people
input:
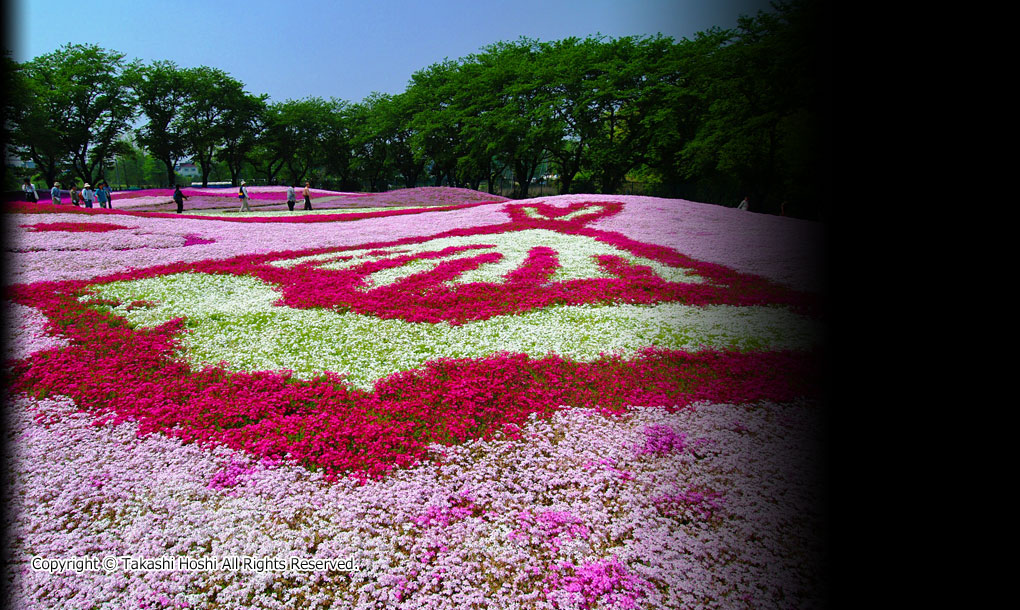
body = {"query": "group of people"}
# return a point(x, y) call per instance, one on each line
point(102, 193)
point(292, 198)
point(242, 194)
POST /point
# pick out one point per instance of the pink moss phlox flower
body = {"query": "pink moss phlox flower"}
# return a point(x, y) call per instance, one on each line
point(123, 374)
point(196, 240)
point(455, 508)
point(232, 474)
point(597, 584)
point(695, 503)
point(76, 227)
point(23, 207)
point(661, 439)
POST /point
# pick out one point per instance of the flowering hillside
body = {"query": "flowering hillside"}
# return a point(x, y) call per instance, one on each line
point(425, 401)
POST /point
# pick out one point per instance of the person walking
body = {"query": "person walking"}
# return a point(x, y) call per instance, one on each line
point(87, 195)
point(101, 195)
point(745, 204)
point(308, 195)
point(109, 194)
point(55, 193)
point(291, 198)
point(30, 195)
point(179, 198)
point(243, 194)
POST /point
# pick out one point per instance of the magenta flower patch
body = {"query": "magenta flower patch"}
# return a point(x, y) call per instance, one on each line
point(76, 227)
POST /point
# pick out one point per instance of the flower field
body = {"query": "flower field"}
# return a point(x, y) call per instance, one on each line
point(428, 398)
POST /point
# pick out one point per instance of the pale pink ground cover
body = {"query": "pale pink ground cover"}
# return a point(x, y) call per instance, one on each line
point(576, 515)
point(25, 332)
point(54, 255)
point(786, 250)
point(275, 197)
point(705, 508)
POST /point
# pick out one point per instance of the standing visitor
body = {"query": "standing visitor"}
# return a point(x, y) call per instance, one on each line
point(291, 198)
point(179, 198)
point(30, 195)
point(74, 195)
point(745, 204)
point(243, 194)
point(55, 193)
point(109, 194)
point(87, 195)
point(308, 196)
point(101, 195)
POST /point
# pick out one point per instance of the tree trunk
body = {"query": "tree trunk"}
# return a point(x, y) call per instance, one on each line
point(49, 168)
point(171, 176)
point(565, 182)
point(520, 176)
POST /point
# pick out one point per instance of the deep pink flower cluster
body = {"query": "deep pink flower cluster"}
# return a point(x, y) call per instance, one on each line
point(604, 583)
point(76, 227)
point(662, 439)
point(196, 240)
point(456, 507)
point(233, 472)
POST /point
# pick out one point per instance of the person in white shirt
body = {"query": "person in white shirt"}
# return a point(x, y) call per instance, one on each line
point(744, 204)
point(87, 195)
point(55, 193)
point(291, 198)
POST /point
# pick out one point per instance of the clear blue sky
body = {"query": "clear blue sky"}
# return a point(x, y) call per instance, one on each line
point(292, 49)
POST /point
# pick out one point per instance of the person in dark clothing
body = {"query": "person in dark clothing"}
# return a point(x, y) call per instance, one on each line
point(179, 198)
point(30, 194)
point(308, 195)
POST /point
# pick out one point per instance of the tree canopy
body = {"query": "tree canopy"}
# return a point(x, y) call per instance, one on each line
point(728, 113)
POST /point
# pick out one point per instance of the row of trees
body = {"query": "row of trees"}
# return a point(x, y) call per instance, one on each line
point(731, 112)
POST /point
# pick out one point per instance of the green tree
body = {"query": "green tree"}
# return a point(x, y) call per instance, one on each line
point(240, 125)
point(273, 144)
point(77, 104)
point(392, 117)
point(516, 111)
point(337, 148)
point(209, 118)
point(569, 73)
point(759, 131)
point(436, 136)
point(372, 159)
point(617, 144)
point(163, 92)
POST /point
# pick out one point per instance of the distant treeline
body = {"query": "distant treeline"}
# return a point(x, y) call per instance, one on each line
point(729, 113)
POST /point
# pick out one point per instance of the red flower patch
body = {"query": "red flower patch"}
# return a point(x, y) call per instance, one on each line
point(76, 227)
